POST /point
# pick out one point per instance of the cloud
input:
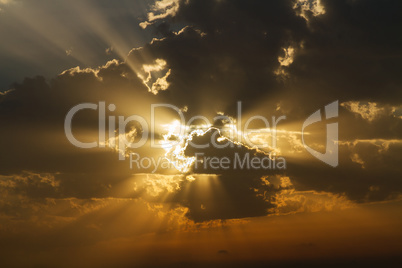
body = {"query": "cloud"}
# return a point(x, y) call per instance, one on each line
point(208, 63)
point(225, 193)
point(157, 184)
point(306, 8)
point(292, 201)
point(369, 111)
point(149, 71)
point(374, 153)
point(165, 8)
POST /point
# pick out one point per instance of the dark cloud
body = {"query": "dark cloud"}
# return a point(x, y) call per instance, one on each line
point(229, 51)
point(352, 52)
point(231, 48)
point(231, 191)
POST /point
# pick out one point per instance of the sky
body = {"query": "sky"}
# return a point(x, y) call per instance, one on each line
point(200, 133)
